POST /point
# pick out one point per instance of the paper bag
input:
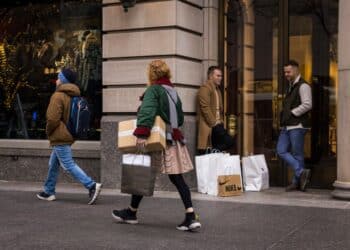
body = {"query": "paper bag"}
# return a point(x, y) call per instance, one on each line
point(138, 176)
point(229, 185)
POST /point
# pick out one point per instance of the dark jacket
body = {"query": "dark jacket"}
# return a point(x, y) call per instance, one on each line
point(57, 114)
point(291, 101)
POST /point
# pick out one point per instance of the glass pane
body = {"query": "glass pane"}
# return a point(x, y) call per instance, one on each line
point(313, 43)
point(36, 41)
point(265, 91)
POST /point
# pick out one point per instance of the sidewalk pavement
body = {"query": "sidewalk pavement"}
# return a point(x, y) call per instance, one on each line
point(320, 198)
point(270, 220)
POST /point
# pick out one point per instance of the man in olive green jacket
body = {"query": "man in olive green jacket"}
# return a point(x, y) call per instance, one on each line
point(211, 131)
point(61, 140)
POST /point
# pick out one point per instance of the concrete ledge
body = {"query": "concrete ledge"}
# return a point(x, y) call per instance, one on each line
point(44, 144)
point(41, 148)
point(27, 160)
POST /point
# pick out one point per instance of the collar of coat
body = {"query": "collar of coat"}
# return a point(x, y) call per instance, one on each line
point(212, 84)
point(164, 81)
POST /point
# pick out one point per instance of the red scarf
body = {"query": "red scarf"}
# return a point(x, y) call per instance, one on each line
point(163, 81)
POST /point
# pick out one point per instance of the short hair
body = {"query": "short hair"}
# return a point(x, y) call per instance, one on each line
point(158, 69)
point(211, 70)
point(292, 63)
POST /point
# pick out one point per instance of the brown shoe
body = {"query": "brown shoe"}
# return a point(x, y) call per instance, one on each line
point(304, 179)
point(292, 187)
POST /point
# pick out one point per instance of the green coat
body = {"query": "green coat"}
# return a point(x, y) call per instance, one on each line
point(155, 102)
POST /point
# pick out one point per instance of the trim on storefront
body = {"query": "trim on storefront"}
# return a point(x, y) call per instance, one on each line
point(156, 28)
point(117, 2)
point(192, 4)
point(153, 56)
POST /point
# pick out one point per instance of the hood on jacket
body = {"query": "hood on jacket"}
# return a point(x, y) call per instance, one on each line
point(69, 88)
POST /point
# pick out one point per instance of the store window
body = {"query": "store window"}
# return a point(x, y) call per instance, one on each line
point(37, 39)
point(260, 36)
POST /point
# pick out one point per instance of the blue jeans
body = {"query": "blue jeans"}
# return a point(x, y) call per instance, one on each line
point(290, 147)
point(62, 155)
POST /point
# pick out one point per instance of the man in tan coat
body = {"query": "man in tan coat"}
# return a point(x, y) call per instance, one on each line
point(57, 116)
point(211, 131)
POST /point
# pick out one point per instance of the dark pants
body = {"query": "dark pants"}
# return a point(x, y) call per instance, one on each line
point(220, 139)
point(182, 188)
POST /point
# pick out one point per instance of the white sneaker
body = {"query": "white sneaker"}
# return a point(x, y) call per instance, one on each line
point(94, 192)
point(46, 197)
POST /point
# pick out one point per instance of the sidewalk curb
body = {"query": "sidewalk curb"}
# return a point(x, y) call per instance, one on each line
point(273, 196)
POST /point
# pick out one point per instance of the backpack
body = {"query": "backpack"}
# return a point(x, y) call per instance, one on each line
point(79, 118)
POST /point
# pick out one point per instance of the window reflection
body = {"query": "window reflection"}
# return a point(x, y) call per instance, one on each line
point(36, 41)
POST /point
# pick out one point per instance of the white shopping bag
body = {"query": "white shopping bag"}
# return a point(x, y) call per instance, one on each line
point(205, 170)
point(255, 173)
point(137, 160)
point(224, 164)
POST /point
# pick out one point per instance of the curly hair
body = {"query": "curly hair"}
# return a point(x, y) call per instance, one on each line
point(158, 69)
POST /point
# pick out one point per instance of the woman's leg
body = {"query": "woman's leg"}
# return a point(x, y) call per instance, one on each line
point(184, 191)
point(135, 202)
point(191, 221)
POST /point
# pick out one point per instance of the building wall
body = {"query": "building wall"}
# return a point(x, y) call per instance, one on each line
point(184, 34)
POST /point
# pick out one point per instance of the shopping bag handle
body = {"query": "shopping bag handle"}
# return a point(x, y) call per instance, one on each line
point(140, 149)
point(213, 150)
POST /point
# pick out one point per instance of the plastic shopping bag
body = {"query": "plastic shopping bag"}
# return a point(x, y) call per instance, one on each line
point(205, 169)
point(255, 173)
point(223, 165)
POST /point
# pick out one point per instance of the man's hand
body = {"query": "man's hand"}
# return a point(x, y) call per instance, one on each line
point(217, 123)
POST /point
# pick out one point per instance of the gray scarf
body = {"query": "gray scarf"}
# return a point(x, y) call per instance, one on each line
point(172, 98)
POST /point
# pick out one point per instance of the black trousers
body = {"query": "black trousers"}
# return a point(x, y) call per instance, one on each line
point(182, 188)
point(220, 139)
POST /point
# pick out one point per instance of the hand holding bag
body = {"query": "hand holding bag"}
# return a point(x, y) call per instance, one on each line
point(138, 175)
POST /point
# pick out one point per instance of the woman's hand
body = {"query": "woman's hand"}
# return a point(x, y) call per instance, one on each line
point(141, 143)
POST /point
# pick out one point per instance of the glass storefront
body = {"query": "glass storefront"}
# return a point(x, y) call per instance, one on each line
point(37, 39)
point(260, 36)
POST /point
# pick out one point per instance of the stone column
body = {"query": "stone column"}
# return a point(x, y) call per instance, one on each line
point(171, 30)
point(248, 76)
point(342, 184)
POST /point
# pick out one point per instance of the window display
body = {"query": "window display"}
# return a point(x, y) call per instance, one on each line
point(37, 39)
